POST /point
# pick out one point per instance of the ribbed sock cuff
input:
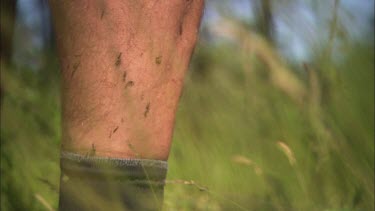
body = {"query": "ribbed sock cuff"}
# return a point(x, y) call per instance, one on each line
point(103, 183)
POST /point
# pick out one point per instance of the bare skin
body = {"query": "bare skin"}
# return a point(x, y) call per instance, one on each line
point(123, 64)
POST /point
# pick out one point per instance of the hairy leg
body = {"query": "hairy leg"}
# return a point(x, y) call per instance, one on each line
point(123, 63)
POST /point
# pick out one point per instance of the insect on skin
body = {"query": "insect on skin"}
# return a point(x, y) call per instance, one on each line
point(101, 15)
point(112, 132)
point(129, 84)
point(92, 151)
point(146, 110)
point(158, 60)
point(118, 60)
point(131, 147)
point(75, 67)
point(180, 30)
point(124, 76)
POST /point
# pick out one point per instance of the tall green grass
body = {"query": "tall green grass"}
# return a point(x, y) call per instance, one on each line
point(253, 147)
point(242, 142)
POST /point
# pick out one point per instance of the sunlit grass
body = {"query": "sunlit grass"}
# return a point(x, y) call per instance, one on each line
point(241, 141)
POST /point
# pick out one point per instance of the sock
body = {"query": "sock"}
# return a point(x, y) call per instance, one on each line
point(101, 183)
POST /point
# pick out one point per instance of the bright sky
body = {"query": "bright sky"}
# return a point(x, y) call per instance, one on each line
point(300, 24)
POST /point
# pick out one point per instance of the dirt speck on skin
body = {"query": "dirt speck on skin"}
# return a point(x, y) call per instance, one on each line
point(147, 110)
point(129, 84)
point(158, 60)
point(118, 60)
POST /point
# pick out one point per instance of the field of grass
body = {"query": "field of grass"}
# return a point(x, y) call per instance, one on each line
point(252, 133)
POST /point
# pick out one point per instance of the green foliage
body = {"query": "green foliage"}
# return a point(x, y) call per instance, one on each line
point(241, 142)
point(30, 132)
point(255, 148)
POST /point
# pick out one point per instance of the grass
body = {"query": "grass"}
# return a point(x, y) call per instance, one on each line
point(241, 141)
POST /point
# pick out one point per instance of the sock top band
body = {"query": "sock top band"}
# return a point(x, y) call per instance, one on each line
point(128, 168)
point(114, 162)
point(134, 184)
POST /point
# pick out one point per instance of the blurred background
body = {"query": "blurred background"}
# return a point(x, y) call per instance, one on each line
point(277, 111)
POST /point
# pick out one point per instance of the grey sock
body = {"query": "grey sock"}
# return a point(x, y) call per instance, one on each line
point(101, 183)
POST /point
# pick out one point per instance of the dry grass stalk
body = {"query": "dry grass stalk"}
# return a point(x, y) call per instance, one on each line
point(246, 161)
point(288, 152)
point(44, 202)
point(280, 75)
